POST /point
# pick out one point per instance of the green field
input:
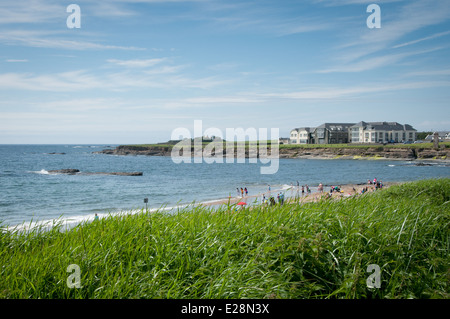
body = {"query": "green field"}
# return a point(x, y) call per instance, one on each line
point(313, 250)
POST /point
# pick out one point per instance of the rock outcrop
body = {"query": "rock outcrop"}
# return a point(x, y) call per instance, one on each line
point(375, 152)
point(71, 171)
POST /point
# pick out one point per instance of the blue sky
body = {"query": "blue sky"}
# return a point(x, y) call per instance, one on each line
point(138, 69)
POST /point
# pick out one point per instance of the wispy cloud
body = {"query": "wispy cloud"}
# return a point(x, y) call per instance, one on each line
point(352, 2)
point(333, 93)
point(30, 11)
point(16, 60)
point(136, 63)
point(49, 39)
point(434, 36)
point(376, 62)
point(368, 49)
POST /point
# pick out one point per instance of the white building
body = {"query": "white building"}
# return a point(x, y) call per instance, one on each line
point(301, 136)
point(381, 132)
point(443, 136)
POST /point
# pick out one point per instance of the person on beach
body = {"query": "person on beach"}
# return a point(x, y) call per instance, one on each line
point(238, 192)
point(269, 188)
point(242, 192)
point(303, 190)
point(96, 216)
point(246, 191)
point(272, 201)
point(320, 188)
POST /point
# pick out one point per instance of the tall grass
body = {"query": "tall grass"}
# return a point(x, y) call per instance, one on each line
point(313, 250)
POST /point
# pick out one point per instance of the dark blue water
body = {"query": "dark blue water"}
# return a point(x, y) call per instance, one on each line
point(28, 192)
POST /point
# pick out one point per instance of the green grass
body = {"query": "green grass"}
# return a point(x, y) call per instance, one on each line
point(315, 146)
point(316, 250)
point(363, 146)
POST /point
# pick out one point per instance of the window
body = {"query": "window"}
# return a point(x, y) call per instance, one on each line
point(320, 133)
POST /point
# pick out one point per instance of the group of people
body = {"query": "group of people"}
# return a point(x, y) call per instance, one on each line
point(335, 189)
point(242, 191)
point(308, 190)
point(378, 184)
point(271, 199)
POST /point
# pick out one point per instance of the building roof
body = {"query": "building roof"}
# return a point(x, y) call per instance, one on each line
point(336, 126)
point(384, 126)
point(307, 129)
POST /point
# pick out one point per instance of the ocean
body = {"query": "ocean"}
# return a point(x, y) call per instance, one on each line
point(30, 194)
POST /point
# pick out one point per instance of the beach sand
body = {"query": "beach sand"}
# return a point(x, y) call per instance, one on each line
point(293, 194)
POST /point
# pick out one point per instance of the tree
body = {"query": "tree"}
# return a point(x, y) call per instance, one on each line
point(422, 135)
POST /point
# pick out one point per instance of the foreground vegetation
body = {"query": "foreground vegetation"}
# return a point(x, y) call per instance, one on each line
point(316, 250)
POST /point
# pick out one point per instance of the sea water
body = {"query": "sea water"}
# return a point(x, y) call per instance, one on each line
point(29, 193)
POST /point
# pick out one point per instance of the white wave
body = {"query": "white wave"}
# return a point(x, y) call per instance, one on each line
point(391, 165)
point(42, 171)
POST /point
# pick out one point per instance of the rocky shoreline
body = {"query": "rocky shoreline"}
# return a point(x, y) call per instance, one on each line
point(369, 153)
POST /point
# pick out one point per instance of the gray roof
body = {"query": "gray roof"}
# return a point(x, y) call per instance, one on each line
point(307, 129)
point(384, 126)
point(336, 126)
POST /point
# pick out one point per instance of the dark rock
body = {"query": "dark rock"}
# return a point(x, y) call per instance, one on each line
point(118, 173)
point(69, 171)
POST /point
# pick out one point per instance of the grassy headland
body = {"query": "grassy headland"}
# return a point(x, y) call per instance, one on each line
point(313, 250)
point(444, 145)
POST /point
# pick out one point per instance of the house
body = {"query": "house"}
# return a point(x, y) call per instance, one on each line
point(332, 133)
point(301, 136)
point(443, 136)
point(381, 132)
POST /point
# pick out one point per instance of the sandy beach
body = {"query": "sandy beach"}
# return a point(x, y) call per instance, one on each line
point(294, 194)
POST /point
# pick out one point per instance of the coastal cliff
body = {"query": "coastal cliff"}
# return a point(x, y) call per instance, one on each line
point(376, 152)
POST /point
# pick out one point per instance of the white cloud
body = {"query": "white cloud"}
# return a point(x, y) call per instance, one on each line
point(137, 63)
point(46, 39)
point(30, 11)
point(376, 62)
point(16, 60)
point(333, 93)
point(367, 49)
point(434, 36)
